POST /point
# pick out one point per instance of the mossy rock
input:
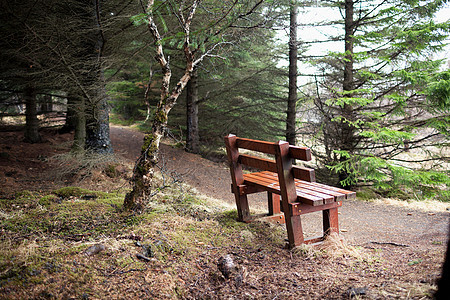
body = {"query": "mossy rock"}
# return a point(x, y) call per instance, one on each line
point(72, 191)
point(48, 200)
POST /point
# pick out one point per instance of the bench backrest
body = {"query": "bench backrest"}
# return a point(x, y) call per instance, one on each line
point(233, 143)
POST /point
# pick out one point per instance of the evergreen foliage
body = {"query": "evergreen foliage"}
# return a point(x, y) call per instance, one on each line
point(387, 122)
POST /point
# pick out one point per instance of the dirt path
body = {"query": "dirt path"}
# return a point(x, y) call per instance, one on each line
point(361, 223)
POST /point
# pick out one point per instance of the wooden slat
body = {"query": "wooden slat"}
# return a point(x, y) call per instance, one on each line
point(302, 189)
point(348, 194)
point(302, 153)
point(341, 194)
point(264, 179)
point(260, 184)
point(306, 185)
point(270, 180)
point(271, 185)
point(257, 162)
point(301, 173)
point(261, 146)
point(305, 174)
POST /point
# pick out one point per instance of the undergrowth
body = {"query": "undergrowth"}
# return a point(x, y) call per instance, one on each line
point(169, 251)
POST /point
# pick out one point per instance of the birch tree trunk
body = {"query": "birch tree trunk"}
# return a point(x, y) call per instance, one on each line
point(143, 172)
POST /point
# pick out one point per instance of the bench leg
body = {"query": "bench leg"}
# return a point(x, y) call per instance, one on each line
point(330, 221)
point(294, 230)
point(273, 201)
point(242, 208)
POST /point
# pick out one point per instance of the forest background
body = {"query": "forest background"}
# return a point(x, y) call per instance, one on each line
point(374, 111)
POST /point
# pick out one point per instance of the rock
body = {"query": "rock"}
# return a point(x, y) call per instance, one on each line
point(147, 250)
point(142, 257)
point(95, 249)
point(226, 266)
point(238, 280)
point(353, 292)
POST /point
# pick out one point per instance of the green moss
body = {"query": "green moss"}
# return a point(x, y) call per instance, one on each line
point(71, 191)
point(48, 200)
point(149, 145)
point(25, 195)
point(161, 117)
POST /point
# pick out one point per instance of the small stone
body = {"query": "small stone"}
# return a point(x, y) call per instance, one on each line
point(238, 280)
point(95, 249)
point(143, 257)
point(353, 292)
point(226, 265)
point(147, 250)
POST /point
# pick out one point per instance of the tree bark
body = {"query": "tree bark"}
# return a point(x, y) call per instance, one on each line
point(292, 97)
point(97, 126)
point(71, 114)
point(32, 123)
point(46, 104)
point(347, 134)
point(97, 129)
point(192, 135)
point(79, 138)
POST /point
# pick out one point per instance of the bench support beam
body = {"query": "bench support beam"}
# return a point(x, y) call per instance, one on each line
point(237, 178)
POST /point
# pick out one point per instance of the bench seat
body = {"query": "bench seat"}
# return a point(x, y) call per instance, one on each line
point(311, 193)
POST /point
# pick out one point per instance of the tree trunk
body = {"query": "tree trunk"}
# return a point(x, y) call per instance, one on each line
point(192, 135)
point(79, 138)
point(97, 125)
point(46, 104)
point(347, 135)
point(142, 179)
point(97, 128)
point(71, 114)
point(32, 123)
point(292, 97)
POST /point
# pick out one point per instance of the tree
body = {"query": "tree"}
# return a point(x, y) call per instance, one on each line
point(192, 101)
point(195, 45)
point(63, 59)
point(32, 123)
point(143, 172)
point(373, 104)
point(293, 57)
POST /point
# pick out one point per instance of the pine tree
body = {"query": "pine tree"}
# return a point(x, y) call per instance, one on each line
point(373, 105)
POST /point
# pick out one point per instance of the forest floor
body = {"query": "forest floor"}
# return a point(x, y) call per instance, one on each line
point(64, 234)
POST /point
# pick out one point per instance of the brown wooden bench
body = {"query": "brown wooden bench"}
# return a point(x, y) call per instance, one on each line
point(300, 194)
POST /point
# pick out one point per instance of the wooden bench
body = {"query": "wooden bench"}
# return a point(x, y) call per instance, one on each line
point(300, 194)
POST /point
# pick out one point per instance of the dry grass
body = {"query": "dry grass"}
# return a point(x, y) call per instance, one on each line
point(80, 164)
point(424, 205)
